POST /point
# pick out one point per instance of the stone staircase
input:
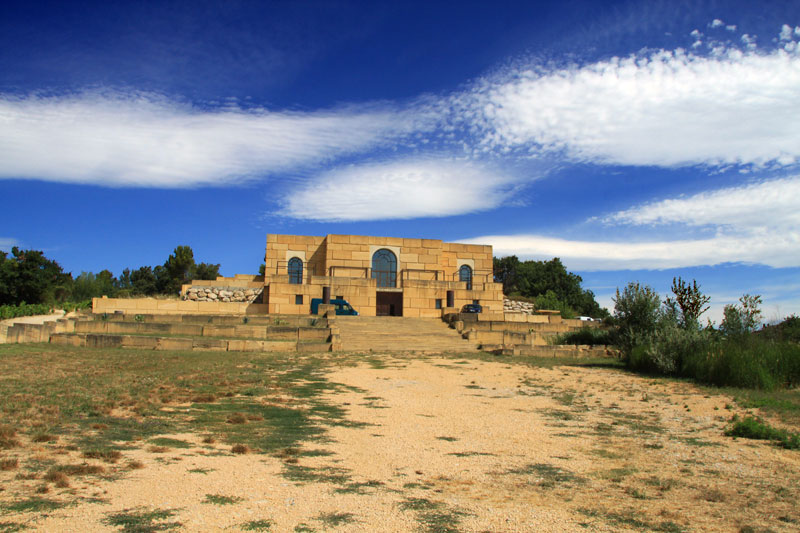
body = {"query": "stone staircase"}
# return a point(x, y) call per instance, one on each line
point(179, 332)
point(395, 334)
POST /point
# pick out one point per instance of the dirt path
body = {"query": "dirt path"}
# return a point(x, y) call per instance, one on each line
point(464, 445)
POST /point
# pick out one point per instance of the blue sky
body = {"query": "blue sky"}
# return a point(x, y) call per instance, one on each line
point(634, 140)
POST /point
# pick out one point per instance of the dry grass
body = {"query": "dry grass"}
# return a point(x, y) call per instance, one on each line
point(237, 418)
point(8, 438)
point(119, 405)
point(157, 449)
point(204, 398)
point(240, 448)
point(44, 437)
point(108, 456)
point(9, 464)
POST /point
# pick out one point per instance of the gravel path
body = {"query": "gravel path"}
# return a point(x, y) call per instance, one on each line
point(441, 444)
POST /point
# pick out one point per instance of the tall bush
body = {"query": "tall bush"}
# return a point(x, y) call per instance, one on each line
point(636, 311)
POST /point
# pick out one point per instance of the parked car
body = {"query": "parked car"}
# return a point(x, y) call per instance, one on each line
point(586, 318)
point(341, 306)
point(472, 308)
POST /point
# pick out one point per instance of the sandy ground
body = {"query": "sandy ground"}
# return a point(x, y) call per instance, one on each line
point(471, 446)
point(36, 319)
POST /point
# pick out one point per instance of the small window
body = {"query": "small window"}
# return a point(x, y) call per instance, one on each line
point(465, 274)
point(438, 303)
point(298, 299)
point(476, 302)
point(340, 297)
point(295, 269)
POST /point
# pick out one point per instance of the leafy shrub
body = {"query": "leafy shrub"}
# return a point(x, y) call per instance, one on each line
point(590, 336)
point(23, 309)
point(786, 331)
point(636, 311)
point(755, 428)
point(742, 318)
point(667, 348)
point(550, 300)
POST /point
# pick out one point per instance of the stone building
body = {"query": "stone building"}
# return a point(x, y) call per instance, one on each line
point(378, 275)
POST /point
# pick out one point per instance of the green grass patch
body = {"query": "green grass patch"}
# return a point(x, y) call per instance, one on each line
point(634, 520)
point(257, 525)
point(755, 428)
point(359, 487)
point(170, 443)
point(336, 519)
point(32, 505)
point(140, 520)
point(549, 476)
point(219, 499)
point(11, 527)
point(305, 474)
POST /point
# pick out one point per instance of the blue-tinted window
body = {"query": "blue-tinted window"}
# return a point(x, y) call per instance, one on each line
point(465, 274)
point(295, 271)
point(384, 268)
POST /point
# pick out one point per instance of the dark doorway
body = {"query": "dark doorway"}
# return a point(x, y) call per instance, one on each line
point(389, 304)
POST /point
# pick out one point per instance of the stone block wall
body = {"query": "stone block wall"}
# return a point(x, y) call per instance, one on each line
point(344, 262)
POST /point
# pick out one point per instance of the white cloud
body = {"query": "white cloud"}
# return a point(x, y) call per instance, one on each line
point(787, 32)
point(757, 223)
point(144, 140)
point(407, 188)
point(716, 23)
point(767, 205)
point(666, 108)
point(774, 250)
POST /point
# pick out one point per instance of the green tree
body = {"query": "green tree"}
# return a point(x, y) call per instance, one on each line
point(505, 272)
point(28, 276)
point(534, 279)
point(205, 271)
point(636, 311)
point(742, 318)
point(690, 300)
point(144, 282)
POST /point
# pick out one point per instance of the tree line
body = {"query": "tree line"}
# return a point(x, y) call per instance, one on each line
point(548, 285)
point(27, 276)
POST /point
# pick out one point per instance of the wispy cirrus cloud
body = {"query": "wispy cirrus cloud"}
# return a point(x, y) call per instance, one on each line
point(765, 205)
point(404, 188)
point(774, 250)
point(755, 223)
point(721, 107)
point(135, 139)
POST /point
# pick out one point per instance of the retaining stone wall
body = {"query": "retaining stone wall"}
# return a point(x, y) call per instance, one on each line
point(222, 294)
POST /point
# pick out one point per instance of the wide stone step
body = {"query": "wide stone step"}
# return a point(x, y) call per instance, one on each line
point(153, 342)
point(399, 334)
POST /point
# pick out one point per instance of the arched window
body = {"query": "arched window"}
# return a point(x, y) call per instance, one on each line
point(465, 274)
point(296, 271)
point(384, 268)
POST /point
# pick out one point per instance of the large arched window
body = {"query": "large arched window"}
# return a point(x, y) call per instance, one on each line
point(295, 271)
point(384, 268)
point(465, 274)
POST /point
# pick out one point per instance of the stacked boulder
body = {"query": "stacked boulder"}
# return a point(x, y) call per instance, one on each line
point(514, 306)
point(223, 294)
